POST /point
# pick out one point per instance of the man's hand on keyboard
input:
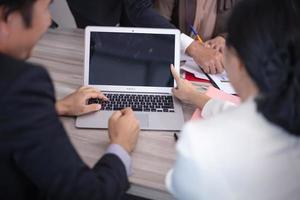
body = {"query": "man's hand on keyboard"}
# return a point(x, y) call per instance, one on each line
point(76, 104)
point(124, 129)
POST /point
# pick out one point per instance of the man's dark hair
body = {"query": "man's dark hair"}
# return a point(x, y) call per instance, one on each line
point(266, 37)
point(25, 7)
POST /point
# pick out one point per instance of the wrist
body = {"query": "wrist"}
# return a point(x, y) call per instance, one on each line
point(192, 48)
point(61, 108)
point(125, 147)
point(200, 100)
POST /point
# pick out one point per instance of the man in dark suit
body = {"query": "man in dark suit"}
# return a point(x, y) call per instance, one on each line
point(140, 13)
point(37, 158)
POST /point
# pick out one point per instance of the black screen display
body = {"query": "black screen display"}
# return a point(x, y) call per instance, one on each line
point(131, 59)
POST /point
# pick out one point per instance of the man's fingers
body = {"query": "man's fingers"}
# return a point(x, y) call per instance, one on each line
point(127, 111)
point(205, 68)
point(116, 115)
point(96, 95)
point(94, 90)
point(216, 47)
point(129, 116)
point(212, 69)
point(91, 108)
point(175, 74)
point(208, 44)
point(219, 67)
point(219, 63)
point(88, 90)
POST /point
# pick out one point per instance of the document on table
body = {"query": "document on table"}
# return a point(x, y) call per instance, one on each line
point(223, 83)
point(191, 66)
point(220, 80)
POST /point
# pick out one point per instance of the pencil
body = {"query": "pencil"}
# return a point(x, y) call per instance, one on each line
point(196, 34)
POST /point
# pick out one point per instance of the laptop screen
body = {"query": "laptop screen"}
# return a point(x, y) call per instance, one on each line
point(131, 59)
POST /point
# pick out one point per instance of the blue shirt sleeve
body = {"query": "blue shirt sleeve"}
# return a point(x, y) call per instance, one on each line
point(123, 155)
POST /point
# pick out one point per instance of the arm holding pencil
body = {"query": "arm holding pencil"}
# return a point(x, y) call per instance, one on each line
point(208, 58)
point(217, 43)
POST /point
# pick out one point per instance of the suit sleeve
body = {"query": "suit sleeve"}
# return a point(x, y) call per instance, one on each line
point(142, 14)
point(43, 152)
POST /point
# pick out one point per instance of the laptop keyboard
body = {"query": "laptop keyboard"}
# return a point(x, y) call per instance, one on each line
point(138, 103)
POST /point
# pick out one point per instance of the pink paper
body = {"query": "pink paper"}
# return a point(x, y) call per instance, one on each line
point(216, 94)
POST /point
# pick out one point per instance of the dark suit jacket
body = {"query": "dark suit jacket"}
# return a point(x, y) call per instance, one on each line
point(37, 158)
point(136, 13)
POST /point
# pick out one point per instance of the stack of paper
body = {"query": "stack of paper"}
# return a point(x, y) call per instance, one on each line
point(223, 83)
point(220, 80)
point(192, 67)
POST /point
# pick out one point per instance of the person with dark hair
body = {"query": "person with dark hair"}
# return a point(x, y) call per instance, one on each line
point(38, 160)
point(251, 151)
point(140, 13)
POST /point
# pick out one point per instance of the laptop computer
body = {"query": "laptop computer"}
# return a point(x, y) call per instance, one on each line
point(131, 66)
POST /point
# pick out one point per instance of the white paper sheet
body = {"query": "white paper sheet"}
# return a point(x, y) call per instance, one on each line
point(222, 81)
point(192, 67)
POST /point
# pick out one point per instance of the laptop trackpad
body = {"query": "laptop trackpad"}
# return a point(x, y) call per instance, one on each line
point(143, 119)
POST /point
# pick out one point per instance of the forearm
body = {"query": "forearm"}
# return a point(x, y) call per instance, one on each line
point(199, 99)
point(61, 108)
point(60, 172)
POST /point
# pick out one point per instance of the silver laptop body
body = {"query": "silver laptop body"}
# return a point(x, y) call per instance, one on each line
point(132, 67)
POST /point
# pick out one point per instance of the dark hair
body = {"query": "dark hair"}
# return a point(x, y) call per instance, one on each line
point(25, 7)
point(266, 37)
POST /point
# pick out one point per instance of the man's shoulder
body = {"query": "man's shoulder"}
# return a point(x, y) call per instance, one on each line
point(19, 75)
point(11, 69)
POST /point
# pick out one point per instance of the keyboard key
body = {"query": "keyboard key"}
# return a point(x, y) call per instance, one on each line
point(137, 109)
point(94, 101)
point(139, 103)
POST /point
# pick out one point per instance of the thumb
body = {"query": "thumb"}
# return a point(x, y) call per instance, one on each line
point(92, 108)
point(175, 74)
point(116, 115)
point(127, 111)
point(175, 91)
point(207, 44)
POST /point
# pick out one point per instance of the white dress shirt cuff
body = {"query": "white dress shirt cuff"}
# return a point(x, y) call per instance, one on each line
point(186, 41)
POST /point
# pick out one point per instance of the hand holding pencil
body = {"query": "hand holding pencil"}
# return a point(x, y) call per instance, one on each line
point(210, 60)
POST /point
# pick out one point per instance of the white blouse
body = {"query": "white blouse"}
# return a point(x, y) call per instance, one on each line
point(235, 153)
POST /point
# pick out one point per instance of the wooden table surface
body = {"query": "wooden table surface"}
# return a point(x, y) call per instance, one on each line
point(61, 52)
